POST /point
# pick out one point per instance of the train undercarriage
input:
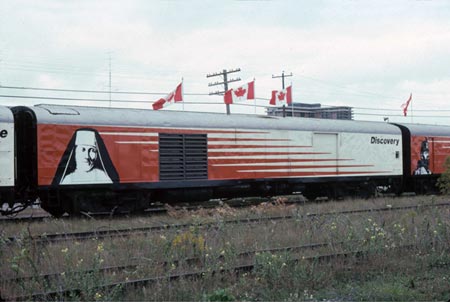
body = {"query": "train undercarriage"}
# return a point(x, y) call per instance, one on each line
point(103, 199)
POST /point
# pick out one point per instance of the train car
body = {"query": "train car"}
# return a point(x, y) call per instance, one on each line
point(99, 159)
point(7, 172)
point(426, 148)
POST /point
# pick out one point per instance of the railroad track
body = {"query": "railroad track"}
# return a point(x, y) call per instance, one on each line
point(189, 261)
point(100, 234)
point(246, 265)
point(40, 215)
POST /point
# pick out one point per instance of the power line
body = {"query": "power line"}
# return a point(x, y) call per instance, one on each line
point(194, 103)
point(78, 70)
point(33, 63)
point(358, 92)
point(191, 103)
point(192, 94)
point(93, 91)
point(385, 109)
point(85, 99)
point(66, 99)
point(401, 115)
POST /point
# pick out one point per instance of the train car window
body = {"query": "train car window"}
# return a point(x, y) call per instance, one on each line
point(183, 156)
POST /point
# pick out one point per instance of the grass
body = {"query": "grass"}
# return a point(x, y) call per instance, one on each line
point(400, 278)
point(421, 273)
point(178, 215)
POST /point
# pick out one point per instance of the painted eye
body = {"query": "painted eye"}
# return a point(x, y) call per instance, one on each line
point(92, 152)
point(83, 149)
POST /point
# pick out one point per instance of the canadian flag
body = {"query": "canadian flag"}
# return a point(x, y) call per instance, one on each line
point(282, 96)
point(243, 93)
point(174, 96)
point(405, 105)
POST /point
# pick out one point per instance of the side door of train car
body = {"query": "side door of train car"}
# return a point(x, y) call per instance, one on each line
point(326, 153)
point(355, 163)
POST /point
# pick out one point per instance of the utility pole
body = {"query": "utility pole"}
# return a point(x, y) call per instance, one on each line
point(225, 82)
point(282, 76)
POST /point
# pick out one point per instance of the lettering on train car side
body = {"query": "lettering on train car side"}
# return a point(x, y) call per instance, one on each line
point(384, 141)
point(3, 133)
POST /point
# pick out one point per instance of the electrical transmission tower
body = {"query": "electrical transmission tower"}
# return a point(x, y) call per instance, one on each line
point(225, 82)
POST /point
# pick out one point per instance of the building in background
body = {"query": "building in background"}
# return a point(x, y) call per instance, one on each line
point(313, 111)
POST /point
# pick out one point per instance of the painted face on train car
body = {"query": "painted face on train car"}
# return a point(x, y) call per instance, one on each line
point(428, 154)
point(85, 156)
point(84, 162)
point(86, 151)
point(422, 151)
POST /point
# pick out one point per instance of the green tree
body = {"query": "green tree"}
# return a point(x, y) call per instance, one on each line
point(444, 180)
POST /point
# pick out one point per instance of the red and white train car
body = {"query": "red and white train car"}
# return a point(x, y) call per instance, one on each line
point(93, 159)
point(427, 148)
point(7, 172)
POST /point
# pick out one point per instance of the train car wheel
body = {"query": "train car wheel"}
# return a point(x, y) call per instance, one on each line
point(368, 190)
point(74, 204)
point(55, 211)
point(311, 193)
point(50, 204)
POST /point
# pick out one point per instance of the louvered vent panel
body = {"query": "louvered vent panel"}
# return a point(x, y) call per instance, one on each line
point(183, 156)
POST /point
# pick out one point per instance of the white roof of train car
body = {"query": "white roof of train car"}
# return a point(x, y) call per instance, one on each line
point(57, 114)
point(427, 130)
point(6, 115)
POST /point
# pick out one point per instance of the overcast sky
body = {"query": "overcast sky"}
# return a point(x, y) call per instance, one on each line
point(363, 54)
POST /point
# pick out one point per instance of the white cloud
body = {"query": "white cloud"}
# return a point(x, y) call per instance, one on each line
point(49, 81)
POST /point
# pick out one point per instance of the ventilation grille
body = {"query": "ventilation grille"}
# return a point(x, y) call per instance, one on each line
point(183, 156)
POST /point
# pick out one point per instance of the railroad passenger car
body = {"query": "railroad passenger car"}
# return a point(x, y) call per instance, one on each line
point(426, 148)
point(99, 159)
point(7, 174)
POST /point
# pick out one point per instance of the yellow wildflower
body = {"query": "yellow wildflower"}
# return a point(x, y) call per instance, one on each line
point(100, 247)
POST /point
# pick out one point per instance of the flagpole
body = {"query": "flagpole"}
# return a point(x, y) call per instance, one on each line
point(182, 92)
point(282, 82)
point(255, 97)
point(110, 80)
point(292, 103)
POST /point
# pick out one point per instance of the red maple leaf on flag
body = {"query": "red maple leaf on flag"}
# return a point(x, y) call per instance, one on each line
point(281, 96)
point(240, 92)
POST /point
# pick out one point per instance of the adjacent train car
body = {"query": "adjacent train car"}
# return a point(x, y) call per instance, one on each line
point(97, 159)
point(426, 147)
point(7, 171)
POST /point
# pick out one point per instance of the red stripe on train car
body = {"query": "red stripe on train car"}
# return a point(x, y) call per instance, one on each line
point(218, 161)
point(234, 139)
point(251, 146)
point(248, 168)
point(216, 153)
